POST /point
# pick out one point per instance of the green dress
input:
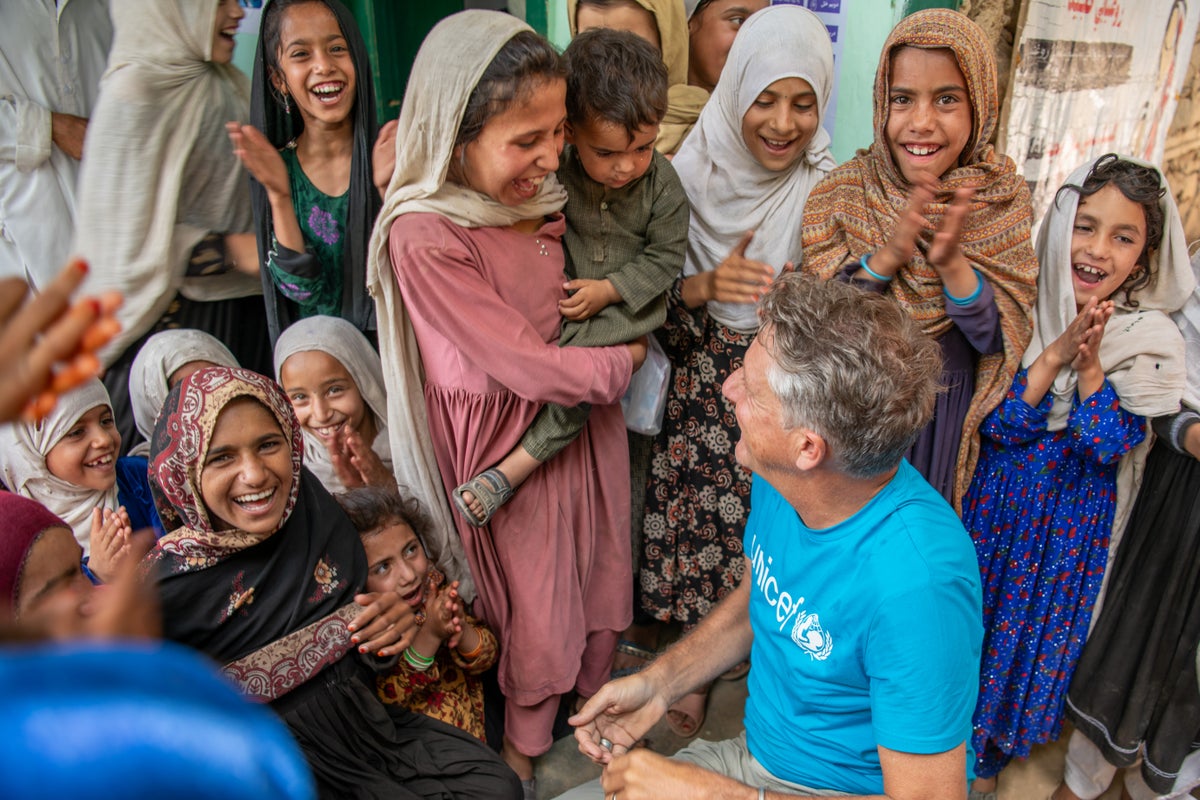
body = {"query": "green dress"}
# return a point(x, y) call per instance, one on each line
point(312, 279)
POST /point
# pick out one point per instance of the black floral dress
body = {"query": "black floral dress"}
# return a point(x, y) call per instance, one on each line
point(697, 495)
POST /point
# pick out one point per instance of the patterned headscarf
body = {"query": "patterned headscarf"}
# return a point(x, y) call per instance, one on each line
point(855, 210)
point(179, 448)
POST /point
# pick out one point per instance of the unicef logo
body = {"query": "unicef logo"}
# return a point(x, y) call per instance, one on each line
point(808, 634)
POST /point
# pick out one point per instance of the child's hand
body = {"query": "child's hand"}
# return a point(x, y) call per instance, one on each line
point(442, 612)
point(903, 242)
point(260, 158)
point(945, 254)
point(356, 464)
point(1065, 349)
point(588, 298)
point(110, 542)
point(1087, 361)
point(738, 279)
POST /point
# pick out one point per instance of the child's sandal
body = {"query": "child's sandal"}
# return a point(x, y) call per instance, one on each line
point(490, 488)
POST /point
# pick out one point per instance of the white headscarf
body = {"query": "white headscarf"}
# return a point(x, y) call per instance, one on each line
point(729, 191)
point(341, 340)
point(448, 66)
point(23, 449)
point(1141, 352)
point(161, 355)
point(159, 173)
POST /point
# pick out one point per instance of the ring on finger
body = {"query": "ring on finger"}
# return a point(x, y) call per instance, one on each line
point(607, 745)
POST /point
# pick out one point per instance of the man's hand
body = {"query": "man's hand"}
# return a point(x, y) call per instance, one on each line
point(621, 712)
point(644, 775)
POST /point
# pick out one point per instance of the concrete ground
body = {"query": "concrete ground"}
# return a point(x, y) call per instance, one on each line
point(564, 767)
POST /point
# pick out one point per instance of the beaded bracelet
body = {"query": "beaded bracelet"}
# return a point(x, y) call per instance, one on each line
point(863, 263)
point(416, 660)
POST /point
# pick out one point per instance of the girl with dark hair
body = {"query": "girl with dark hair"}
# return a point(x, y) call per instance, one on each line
point(1060, 453)
point(267, 576)
point(308, 148)
point(468, 270)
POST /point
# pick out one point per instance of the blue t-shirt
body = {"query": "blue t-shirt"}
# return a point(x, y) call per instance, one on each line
point(865, 633)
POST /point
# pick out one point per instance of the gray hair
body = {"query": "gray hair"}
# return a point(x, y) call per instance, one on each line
point(851, 366)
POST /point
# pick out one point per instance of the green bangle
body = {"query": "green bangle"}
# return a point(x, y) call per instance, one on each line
point(416, 660)
point(863, 263)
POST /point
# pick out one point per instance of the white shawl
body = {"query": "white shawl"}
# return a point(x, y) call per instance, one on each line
point(158, 359)
point(341, 340)
point(729, 191)
point(23, 449)
point(158, 172)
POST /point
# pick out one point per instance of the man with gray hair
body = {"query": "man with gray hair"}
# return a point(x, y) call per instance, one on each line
point(860, 607)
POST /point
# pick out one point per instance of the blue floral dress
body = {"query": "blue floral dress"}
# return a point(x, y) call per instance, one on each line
point(1040, 513)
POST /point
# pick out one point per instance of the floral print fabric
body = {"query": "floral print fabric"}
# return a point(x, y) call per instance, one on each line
point(1040, 513)
point(698, 496)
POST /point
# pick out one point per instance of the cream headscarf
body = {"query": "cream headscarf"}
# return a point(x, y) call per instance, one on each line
point(158, 359)
point(1188, 320)
point(23, 449)
point(1142, 352)
point(684, 102)
point(343, 341)
point(159, 173)
point(729, 191)
point(450, 63)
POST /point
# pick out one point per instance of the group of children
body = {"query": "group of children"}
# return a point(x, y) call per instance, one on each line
point(515, 281)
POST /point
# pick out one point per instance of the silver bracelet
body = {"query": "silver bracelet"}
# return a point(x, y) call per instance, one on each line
point(762, 793)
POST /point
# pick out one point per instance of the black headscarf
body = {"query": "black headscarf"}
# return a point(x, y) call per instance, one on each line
point(280, 127)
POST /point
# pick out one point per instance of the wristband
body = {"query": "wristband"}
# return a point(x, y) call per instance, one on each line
point(478, 647)
point(971, 298)
point(416, 660)
point(863, 263)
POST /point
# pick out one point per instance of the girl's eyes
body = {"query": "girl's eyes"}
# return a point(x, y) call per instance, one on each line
point(1083, 228)
point(297, 399)
point(298, 54)
point(336, 389)
point(899, 100)
point(411, 550)
point(381, 568)
point(947, 99)
point(270, 445)
point(736, 22)
point(74, 433)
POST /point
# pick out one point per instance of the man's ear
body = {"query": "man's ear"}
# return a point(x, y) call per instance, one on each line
point(810, 448)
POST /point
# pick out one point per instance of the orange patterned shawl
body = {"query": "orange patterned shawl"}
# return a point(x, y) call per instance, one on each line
point(853, 212)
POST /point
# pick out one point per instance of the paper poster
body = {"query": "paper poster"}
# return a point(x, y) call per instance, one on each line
point(1093, 77)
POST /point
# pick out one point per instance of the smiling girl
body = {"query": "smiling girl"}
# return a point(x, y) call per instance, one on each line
point(468, 269)
point(931, 215)
point(68, 463)
point(308, 148)
point(1104, 359)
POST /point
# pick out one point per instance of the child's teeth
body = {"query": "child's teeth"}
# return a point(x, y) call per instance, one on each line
point(251, 498)
point(918, 150)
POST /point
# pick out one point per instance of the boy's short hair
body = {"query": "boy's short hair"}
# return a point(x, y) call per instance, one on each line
point(373, 508)
point(615, 76)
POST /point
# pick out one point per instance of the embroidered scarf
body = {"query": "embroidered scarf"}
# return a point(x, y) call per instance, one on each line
point(271, 605)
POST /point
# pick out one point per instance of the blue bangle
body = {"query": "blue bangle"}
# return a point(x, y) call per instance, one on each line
point(966, 301)
point(863, 263)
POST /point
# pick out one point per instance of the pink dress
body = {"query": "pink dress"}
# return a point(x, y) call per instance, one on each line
point(553, 565)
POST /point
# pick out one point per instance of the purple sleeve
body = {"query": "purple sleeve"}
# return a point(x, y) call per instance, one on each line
point(979, 320)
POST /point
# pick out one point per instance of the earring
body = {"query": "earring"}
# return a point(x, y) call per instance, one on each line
point(287, 107)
